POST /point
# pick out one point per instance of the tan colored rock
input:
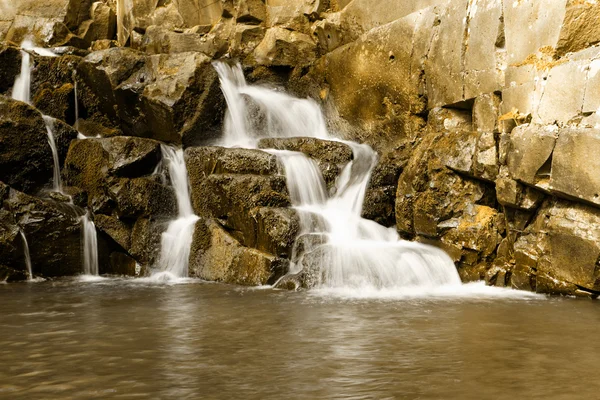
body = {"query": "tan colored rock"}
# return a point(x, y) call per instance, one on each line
point(204, 161)
point(560, 102)
point(479, 228)
point(199, 12)
point(49, 22)
point(281, 47)
point(276, 230)
point(216, 256)
point(523, 278)
point(159, 40)
point(173, 98)
point(575, 162)
point(543, 20)
point(444, 67)
point(103, 25)
point(580, 27)
point(250, 11)
point(531, 148)
point(245, 39)
point(486, 111)
point(376, 82)
point(563, 242)
point(511, 193)
point(484, 58)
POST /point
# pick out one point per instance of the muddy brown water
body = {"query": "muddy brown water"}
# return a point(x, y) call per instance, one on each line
point(135, 339)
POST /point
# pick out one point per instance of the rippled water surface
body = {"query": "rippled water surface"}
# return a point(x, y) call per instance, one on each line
point(135, 339)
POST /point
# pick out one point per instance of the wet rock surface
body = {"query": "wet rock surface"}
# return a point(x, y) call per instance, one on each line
point(218, 256)
point(53, 231)
point(25, 156)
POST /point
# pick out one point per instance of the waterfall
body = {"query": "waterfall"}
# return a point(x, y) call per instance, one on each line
point(255, 112)
point(27, 255)
point(56, 182)
point(90, 246)
point(177, 239)
point(339, 249)
point(22, 88)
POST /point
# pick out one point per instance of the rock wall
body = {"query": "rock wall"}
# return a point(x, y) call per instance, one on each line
point(486, 115)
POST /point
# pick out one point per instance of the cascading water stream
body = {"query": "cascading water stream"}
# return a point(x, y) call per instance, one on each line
point(56, 180)
point(22, 88)
point(90, 246)
point(27, 255)
point(339, 248)
point(177, 239)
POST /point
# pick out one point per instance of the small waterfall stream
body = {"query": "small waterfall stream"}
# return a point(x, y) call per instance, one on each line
point(90, 246)
point(177, 239)
point(56, 180)
point(356, 253)
point(27, 255)
point(22, 89)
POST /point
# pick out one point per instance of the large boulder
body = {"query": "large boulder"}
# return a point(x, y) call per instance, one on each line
point(173, 98)
point(143, 197)
point(100, 73)
point(244, 190)
point(104, 167)
point(563, 243)
point(575, 163)
point(25, 158)
point(531, 147)
point(50, 23)
point(53, 232)
point(10, 59)
point(281, 47)
point(217, 256)
point(53, 87)
point(232, 197)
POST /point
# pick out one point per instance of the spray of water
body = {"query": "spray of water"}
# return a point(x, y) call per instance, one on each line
point(336, 247)
point(177, 239)
point(90, 246)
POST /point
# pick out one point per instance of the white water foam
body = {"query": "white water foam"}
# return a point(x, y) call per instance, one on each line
point(351, 254)
point(468, 291)
point(177, 239)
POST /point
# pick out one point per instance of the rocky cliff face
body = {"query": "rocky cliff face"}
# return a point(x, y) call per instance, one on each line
point(486, 115)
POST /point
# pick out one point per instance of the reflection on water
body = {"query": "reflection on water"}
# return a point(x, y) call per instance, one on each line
point(132, 338)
